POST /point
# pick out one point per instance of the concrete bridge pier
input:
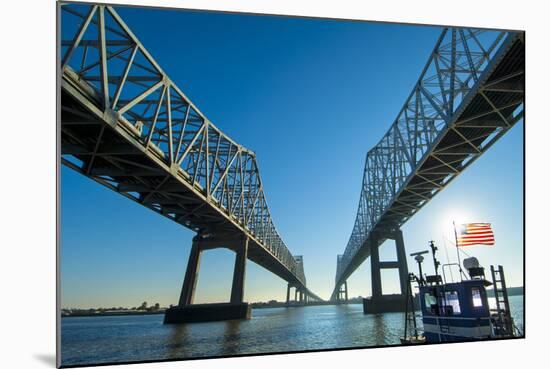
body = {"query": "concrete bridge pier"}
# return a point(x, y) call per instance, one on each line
point(239, 272)
point(300, 295)
point(378, 302)
point(186, 311)
point(288, 287)
point(346, 290)
point(191, 275)
point(342, 294)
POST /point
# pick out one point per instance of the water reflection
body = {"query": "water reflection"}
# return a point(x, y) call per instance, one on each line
point(178, 341)
point(231, 337)
point(136, 338)
point(379, 329)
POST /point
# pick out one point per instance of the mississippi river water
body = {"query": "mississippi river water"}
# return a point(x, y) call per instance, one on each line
point(95, 340)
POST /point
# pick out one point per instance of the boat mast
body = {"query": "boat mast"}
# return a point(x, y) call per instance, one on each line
point(457, 252)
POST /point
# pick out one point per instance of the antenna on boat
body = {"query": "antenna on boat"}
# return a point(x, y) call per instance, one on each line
point(436, 262)
point(419, 259)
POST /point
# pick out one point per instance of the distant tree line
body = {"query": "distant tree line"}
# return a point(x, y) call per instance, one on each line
point(144, 307)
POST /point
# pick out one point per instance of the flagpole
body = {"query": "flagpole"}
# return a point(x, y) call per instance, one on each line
point(457, 252)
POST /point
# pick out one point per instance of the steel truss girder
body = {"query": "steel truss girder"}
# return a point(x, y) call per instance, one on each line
point(468, 95)
point(133, 130)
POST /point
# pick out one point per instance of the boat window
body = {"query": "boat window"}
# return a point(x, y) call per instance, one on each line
point(451, 301)
point(476, 297)
point(429, 300)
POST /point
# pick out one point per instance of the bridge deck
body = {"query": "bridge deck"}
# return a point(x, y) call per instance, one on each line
point(478, 120)
point(126, 125)
point(487, 112)
point(121, 165)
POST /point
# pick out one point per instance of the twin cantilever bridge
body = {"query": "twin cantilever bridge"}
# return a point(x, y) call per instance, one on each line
point(126, 125)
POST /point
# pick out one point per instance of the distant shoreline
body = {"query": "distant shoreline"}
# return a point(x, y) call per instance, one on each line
point(254, 305)
point(112, 313)
point(512, 291)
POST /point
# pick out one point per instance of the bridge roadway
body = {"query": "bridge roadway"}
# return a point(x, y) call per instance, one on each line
point(126, 125)
point(442, 129)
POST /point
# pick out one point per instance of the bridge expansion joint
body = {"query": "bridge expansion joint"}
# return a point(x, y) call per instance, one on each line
point(174, 169)
point(111, 117)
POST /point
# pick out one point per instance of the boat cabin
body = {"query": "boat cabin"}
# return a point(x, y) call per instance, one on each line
point(455, 311)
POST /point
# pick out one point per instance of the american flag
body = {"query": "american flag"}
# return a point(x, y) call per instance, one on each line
point(475, 234)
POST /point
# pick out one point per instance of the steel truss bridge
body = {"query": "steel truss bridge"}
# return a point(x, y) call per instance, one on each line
point(469, 94)
point(126, 125)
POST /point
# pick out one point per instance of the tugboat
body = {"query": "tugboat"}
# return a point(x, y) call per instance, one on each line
point(457, 311)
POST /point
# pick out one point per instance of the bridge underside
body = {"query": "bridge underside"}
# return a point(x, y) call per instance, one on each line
point(126, 125)
point(110, 155)
point(481, 119)
point(488, 115)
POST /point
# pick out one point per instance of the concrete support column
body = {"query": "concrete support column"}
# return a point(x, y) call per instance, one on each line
point(288, 293)
point(375, 267)
point(191, 275)
point(346, 290)
point(239, 272)
point(295, 294)
point(402, 261)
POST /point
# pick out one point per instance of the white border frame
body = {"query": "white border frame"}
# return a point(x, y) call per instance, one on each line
point(29, 157)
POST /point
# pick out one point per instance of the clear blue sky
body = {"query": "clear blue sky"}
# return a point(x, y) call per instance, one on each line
point(310, 97)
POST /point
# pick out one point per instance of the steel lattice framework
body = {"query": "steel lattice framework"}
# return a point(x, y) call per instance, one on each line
point(127, 125)
point(469, 94)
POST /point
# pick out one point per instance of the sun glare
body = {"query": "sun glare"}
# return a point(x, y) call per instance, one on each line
point(458, 216)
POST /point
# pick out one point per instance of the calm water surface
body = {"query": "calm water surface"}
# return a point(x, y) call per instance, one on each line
point(94, 340)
